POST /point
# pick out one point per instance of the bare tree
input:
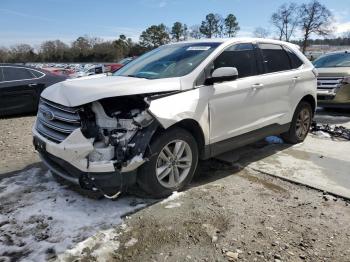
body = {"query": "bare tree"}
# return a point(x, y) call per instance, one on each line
point(53, 50)
point(261, 32)
point(195, 32)
point(346, 34)
point(22, 53)
point(4, 54)
point(286, 20)
point(315, 19)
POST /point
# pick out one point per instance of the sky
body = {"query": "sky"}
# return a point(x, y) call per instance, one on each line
point(34, 21)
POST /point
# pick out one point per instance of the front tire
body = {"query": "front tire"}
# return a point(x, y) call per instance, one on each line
point(173, 159)
point(300, 125)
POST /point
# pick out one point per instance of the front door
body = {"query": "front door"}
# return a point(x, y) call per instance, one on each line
point(236, 107)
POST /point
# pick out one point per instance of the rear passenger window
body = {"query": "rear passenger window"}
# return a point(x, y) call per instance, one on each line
point(241, 56)
point(36, 74)
point(16, 73)
point(294, 59)
point(274, 57)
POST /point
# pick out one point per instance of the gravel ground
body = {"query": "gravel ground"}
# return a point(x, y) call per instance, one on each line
point(244, 216)
point(16, 148)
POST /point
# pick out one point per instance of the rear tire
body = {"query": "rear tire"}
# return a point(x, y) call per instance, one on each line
point(173, 159)
point(300, 125)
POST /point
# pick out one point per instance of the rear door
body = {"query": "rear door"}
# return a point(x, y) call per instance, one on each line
point(18, 90)
point(279, 81)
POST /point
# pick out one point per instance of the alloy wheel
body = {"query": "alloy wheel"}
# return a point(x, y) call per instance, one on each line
point(174, 163)
point(303, 123)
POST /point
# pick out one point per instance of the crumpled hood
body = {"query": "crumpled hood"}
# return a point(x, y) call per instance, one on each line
point(76, 92)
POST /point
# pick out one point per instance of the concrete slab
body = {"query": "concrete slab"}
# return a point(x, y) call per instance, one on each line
point(320, 163)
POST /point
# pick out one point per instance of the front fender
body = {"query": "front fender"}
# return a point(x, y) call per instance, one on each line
point(191, 104)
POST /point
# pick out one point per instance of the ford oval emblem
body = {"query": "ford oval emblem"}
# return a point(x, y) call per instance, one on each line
point(49, 115)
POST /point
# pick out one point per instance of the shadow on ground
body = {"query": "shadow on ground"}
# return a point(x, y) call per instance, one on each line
point(208, 171)
point(234, 161)
point(18, 115)
point(332, 116)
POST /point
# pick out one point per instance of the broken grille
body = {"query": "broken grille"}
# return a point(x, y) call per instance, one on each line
point(55, 121)
point(329, 83)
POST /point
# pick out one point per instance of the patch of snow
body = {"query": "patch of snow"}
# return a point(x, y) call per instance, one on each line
point(131, 242)
point(322, 134)
point(175, 195)
point(106, 242)
point(173, 205)
point(39, 216)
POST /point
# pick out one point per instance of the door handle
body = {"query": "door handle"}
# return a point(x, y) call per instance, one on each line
point(257, 86)
point(33, 84)
point(296, 78)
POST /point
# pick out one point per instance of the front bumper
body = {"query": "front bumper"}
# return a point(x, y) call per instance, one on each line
point(69, 160)
point(108, 183)
point(334, 98)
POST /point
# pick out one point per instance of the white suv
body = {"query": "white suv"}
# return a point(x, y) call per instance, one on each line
point(152, 121)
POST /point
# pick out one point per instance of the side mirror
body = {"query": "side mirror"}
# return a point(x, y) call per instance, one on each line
point(222, 74)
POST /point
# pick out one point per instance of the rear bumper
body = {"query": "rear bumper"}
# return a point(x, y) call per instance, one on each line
point(109, 183)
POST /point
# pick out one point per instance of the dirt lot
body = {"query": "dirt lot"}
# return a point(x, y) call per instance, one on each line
point(231, 212)
point(244, 216)
point(17, 151)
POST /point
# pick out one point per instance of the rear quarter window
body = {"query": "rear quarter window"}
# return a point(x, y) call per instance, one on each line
point(16, 74)
point(294, 59)
point(36, 74)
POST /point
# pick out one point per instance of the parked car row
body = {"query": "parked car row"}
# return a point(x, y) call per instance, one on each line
point(80, 70)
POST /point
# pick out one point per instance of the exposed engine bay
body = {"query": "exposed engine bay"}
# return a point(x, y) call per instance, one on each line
point(120, 129)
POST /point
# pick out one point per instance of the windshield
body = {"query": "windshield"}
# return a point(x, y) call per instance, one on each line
point(333, 60)
point(125, 61)
point(168, 61)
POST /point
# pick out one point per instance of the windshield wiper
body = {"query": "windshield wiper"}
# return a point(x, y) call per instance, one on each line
point(136, 76)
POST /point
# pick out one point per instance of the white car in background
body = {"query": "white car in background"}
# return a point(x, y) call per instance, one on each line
point(90, 70)
point(156, 117)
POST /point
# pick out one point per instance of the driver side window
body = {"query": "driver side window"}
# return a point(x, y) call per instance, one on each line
point(241, 56)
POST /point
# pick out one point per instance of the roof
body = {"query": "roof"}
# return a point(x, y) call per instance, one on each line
point(234, 40)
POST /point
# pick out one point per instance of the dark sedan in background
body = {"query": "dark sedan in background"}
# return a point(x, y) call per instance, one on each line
point(21, 86)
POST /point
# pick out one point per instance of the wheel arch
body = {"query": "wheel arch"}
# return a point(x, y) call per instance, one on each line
point(191, 126)
point(309, 99)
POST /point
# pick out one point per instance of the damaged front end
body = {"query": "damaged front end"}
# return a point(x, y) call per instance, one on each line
point(105, 152)
point(333, 92)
